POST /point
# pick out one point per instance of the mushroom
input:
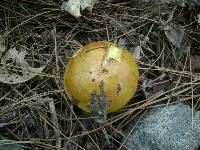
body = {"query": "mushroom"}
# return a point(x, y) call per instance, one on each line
point(101, 71)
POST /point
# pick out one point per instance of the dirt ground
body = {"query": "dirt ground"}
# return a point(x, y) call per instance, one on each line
point(37, 38)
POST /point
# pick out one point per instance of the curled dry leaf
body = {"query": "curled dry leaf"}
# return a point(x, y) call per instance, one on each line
point(74, 6)
point(138, 52)
point(195, 63)
point(15, 69)
point(153, 88)
point(174, 35)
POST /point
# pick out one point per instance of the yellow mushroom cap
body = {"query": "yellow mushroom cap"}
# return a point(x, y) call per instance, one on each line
point(96, 62)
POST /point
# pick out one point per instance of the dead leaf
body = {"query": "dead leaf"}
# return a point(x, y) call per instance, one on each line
point(87, 4)
point(15, 69)
point(138, 52)
point(174, 35)
point(195, 63)
point(74, 6)
point(121, 42)
point(153, 88)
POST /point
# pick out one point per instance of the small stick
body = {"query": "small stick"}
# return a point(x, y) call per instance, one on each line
point(55, 122)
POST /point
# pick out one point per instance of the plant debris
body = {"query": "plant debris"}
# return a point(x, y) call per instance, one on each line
point(175, 35)
point(2, 45)
point(99, 105)
point(162, 34)
point(195, 63)
point(23, 71)
point(15, 69)
point(153, 88)
point(75, 6)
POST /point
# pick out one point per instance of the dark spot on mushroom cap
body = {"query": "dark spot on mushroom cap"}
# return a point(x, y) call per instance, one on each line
point(90, 72)
point(93, 80)
point(119, 88)
point(105, 71)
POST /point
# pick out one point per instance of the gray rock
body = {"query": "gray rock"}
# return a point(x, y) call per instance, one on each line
point(165, 128)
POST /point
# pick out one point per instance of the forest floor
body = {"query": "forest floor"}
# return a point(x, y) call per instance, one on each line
point(37, 40)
